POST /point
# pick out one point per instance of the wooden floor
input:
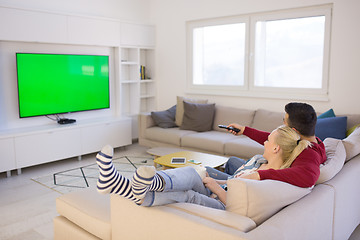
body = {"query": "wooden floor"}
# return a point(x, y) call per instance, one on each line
point(28, 208)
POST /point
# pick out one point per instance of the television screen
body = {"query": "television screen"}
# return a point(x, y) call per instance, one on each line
point(61, 83)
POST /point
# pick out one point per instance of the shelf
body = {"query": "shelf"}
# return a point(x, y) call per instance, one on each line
point(130, 81)
point(146, 81)
point(129, 63)
point(137, 95)
point(146, 96)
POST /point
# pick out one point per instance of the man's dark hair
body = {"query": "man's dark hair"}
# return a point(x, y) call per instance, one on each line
point(302, 117)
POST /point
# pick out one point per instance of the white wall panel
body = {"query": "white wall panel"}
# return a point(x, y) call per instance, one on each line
point(137, 35)
point(90, 31)
point(21, 25)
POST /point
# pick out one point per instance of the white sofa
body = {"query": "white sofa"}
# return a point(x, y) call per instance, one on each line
point(330, 211)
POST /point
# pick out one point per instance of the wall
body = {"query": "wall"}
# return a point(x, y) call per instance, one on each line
point(126, 10)
point(134, 11)
point(170, 18)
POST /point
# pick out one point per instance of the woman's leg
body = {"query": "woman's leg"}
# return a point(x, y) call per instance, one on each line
point(178, 179)
point(233, 164)
point(189, 196)
point(144, 180)
point(110, 181)
point(182, 179)
point(214, 173)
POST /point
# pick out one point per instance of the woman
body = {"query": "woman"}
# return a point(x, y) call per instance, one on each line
point(151, 188)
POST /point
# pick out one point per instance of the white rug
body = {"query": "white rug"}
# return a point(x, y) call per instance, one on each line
point(86, 176)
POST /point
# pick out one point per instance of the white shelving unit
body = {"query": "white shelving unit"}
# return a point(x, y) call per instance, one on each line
point(137, 94)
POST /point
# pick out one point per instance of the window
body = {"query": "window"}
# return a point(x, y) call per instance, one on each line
point(219, 53)
point(282, 54)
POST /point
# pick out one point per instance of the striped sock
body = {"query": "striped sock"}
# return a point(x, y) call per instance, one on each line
point(145, 179)
point(110, 180)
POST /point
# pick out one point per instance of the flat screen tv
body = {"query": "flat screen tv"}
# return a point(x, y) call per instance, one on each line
point(50, 84)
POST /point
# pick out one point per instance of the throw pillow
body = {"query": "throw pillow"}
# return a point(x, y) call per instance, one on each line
point(352, 144)
point(334, 127)
point(198, 117)
point(165, 119)
point(180, 108)
point(259, 200)
point(335, 154)
point(350, 130)
point(327, 114)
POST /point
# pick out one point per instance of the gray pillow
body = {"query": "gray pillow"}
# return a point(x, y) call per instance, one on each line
point(165, 119)
point(198, 117)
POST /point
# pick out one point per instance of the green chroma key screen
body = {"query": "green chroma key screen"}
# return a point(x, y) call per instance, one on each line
point(61, 83)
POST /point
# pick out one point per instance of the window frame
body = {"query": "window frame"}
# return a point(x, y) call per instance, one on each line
point(217, 89)
point(249, 89)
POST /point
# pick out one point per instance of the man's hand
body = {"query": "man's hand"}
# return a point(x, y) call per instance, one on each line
point(253, 176)
point(238, 126)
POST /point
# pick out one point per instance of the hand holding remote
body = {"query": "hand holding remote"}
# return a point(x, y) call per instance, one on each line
point(229, 128)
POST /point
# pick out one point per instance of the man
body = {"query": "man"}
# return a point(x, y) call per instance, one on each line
point(305, 169)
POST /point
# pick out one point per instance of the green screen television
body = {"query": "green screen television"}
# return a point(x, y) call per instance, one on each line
point(50, 84)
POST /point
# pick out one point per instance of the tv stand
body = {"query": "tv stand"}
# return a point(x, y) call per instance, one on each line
point(65, 121)
point(21, 147)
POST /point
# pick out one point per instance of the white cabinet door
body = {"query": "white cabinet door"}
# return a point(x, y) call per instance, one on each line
point(137, 35)
point(23, 25)
point(84, 30)
point(7, 158)
point(48, 146)
point(116, 134)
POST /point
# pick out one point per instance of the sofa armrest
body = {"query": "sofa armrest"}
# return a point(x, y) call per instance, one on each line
point(130, 221)
point(145, 121)
point(311, 217)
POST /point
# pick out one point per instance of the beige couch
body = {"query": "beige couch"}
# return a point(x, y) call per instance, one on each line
point(217, 141)
point(330, 211)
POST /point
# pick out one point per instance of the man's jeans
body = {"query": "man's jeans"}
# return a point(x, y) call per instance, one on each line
point(182, 185)
point(230, 167)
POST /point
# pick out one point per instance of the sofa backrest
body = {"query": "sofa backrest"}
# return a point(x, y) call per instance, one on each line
point(352, 119)
point(267, 120)
point(226, 115)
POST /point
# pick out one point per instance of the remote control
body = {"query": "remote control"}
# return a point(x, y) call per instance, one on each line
point(229, 128)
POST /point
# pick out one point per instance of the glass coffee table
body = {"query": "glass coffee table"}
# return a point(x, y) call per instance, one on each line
point(202, 159)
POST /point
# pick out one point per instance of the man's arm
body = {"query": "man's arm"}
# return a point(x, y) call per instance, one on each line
point(256, 135)
point(304, 172)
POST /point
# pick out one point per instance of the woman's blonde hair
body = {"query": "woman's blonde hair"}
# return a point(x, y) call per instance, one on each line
point(290, 143)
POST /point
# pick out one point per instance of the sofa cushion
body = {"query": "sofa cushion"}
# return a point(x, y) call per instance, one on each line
point(334, 127)
point(226, 218)
point(335, 154)
point(165, 119)
point(267, 120)
point(328, 113)
point(180, 107)
point(259, 200)
point(88, 209)
point(352, 119)
point(347, 199)
point(243, 147)
point(226, 115)
point(352, 144)
point(198, 117)
point(350, 130)
point(212, 141)
point(166, 135)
